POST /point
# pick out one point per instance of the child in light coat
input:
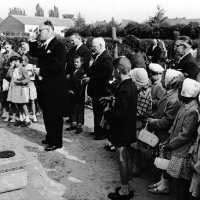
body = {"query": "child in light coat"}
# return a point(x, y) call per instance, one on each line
point(19, 91)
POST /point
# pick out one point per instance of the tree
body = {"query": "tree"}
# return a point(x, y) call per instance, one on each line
point(54, 12)
point(80, 21)
point(39, 11)
point(16, 11)
point(158, 19)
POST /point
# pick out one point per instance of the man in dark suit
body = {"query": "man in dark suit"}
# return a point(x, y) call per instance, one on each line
point(186, 63)
point(78, 48)
point(100, 73)
point(50, 86)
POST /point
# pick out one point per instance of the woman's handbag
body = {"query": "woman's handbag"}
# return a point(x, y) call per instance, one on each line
point(5, 85)
point(175, 166)
point(161, 163)
point(147, 137)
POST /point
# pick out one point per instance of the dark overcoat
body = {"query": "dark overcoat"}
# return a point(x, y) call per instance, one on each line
point(189, 66)
point(100, 73)
point(123, 116)
point(51, 61)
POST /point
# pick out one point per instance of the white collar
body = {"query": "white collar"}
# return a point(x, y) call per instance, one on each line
point(98, 55)
point(77, 47)
point(46, 43)
point(181, 58)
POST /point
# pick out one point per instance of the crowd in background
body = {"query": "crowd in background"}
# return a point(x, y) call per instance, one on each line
point(134, 92)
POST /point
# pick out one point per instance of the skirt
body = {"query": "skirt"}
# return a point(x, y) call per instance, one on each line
point(32, 91)
point(18, 94)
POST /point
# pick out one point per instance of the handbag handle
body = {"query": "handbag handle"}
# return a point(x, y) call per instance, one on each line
point(145, 127)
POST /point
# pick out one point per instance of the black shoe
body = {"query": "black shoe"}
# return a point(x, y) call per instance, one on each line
point(100, 137)
point(18, 123)
point(44, 142)
point(25, 124)
point(52, 147)
point(136, 172)
point(79, 130)
point(71, 128)
point(116, 196)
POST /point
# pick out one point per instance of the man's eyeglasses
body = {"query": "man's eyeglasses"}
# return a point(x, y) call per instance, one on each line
point(40, 30)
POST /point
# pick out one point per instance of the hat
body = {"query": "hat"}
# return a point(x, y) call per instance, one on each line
point(154, 67)
point(190, 88)
point(172, 76)
point(139, 76)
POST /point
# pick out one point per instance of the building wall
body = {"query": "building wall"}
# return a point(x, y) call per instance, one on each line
point(11, 25)
point(30, 28)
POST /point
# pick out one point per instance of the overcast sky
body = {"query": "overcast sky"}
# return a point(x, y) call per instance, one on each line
point(92, 10)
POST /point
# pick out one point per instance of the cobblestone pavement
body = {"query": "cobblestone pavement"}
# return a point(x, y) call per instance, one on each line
point(81, 170)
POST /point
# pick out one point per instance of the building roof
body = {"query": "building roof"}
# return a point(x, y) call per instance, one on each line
point(183, 20)
point(125, 22)
point(38, 20)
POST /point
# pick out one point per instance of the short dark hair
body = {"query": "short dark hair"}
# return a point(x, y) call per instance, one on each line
point(76, 35)
point(76, 56)
point(49, 23)
point(185, 39)
point(14, 58)
point(123, 64)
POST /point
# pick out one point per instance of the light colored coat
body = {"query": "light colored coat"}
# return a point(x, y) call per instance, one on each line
point(157, 92)
point(166, 112)
point(195, 152)
point(183, 130)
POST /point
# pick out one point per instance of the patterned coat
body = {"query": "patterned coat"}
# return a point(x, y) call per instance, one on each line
point(183, 130)
point(195, 152)
point(183, 134)
point(167, 109)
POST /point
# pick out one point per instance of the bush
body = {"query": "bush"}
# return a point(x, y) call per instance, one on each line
point(124, 48)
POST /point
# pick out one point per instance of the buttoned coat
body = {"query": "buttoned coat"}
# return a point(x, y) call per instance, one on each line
point(123, 116)
point(184, 129)
point(51, 61)
point(83, 52)
point(167, 109)
point(189, 66)
point(51, 87)
point(195, 153)
point(100, 73)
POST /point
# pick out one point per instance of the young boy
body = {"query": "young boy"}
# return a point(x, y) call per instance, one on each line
point(122, 120)
point(77, 95)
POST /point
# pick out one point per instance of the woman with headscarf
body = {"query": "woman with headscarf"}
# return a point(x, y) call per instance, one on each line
point(163, 118)
point(183, 134)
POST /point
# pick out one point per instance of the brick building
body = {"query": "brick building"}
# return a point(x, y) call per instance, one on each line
point(16, 25)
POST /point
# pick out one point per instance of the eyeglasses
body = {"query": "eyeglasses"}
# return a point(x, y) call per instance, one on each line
point(40, 30)
point(178, 45)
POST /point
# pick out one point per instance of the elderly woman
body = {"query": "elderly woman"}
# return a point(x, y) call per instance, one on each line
point(164, 116)
point(183, 133)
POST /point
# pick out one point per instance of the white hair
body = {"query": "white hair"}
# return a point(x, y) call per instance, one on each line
point(100, 41)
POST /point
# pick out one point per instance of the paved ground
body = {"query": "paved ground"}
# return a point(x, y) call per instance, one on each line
point(82, 170)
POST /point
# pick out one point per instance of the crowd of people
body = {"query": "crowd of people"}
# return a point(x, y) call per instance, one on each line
point(129, 94)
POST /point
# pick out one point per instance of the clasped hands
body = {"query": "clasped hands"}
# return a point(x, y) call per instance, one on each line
point(104, 101)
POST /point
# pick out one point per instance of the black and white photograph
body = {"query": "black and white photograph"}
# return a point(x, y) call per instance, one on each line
point(100, 100)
